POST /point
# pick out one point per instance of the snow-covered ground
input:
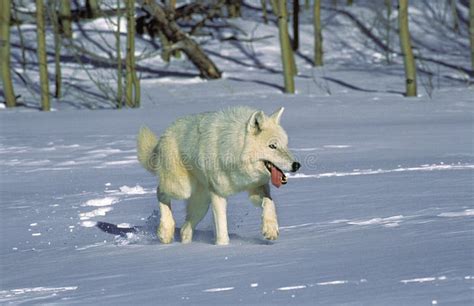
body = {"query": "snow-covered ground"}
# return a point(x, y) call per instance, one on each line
point(381, 212)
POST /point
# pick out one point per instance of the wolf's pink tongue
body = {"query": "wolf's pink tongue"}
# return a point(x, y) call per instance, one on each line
point(276, 177)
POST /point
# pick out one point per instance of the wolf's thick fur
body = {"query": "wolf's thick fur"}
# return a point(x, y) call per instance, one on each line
point(206, 157)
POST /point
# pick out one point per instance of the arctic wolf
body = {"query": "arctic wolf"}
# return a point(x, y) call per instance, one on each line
point(205, 158)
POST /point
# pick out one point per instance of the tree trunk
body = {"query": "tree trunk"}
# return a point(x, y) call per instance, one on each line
point(181, 41)
point(52, 6)
point(65, 18)
point(42, 62)
point(132, 89)
point(5, 9)
point(234, 8)
point(118, 47)
point(471, 30)
point(318, 36)
point(388, 29)
point(285, 45)
point(408, 59)
point(165, 47)
point(455, 17)
point(20, 36)
point(175, 53)
point(264, 10)
point(172, 4)
point(92, 8)
point(296, 14)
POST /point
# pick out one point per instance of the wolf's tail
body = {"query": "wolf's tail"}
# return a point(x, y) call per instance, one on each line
point(146, 143)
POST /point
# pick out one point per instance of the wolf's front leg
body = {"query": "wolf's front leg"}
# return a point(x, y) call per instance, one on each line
point(260, 197)
point(219, 211)
point(269, 220)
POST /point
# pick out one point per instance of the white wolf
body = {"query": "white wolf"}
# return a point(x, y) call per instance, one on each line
point(206, 157)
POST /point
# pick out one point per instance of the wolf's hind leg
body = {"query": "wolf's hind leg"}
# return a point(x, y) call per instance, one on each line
point(167, 223)
point(260, 196)
point(198, 205)
point(219, 211)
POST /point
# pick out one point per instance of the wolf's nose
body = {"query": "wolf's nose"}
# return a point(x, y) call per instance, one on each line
point(295, 166)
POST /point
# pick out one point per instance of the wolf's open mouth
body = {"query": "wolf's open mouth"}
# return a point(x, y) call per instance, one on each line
point(278, 177)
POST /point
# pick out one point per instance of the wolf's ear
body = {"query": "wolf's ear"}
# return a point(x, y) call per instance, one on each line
point(276, 116)
point(256, 122)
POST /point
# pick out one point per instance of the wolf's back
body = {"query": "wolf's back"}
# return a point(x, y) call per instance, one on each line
point(146, 143)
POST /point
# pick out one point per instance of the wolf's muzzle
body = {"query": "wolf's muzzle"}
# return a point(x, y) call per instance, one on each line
point(295, 166)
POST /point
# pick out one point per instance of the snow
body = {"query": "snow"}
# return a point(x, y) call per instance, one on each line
point(36, 293)
point(381, 213)
point(102, 211)
point(132, 190)
point(219, 289)
point(101, 202)
point(88, 223)
point(465, 213)
point(357, 172)
point(389, 221)
point(423, 280)
point(337, 146)
point(174, 81)
point(337, 282)
point(292, 288)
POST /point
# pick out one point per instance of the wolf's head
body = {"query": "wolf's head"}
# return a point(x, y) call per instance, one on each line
point(267, 144)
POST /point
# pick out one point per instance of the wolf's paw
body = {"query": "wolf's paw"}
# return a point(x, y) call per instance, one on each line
point(166, 233)
point(270, 229)
point(222, 241)
point(186, 233)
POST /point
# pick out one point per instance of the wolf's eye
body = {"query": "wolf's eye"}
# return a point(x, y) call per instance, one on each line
point(272, 146)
